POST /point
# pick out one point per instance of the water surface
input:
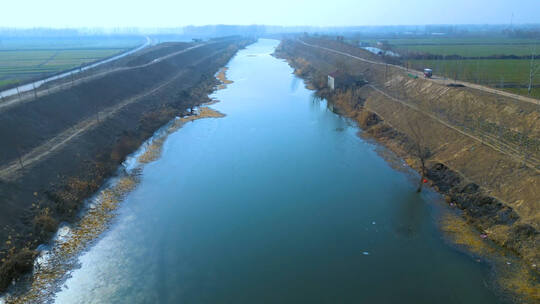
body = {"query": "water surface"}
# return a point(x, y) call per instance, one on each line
point(278, 202)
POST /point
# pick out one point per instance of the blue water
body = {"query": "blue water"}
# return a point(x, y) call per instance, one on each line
point(278, 202)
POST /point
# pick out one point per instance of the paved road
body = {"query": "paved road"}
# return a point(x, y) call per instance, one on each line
point(36, 84)
point(11, 170)
point(439, 80)
point(30, 95)
point(503, 148)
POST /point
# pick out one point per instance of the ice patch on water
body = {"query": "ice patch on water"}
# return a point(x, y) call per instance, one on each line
point(63, 234)
point(94, 201)
point(132, 161)
point(42, 259)
point(45, 255)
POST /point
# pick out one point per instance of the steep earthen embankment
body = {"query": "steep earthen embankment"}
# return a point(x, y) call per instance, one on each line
point(484, 148)
point(60, 147)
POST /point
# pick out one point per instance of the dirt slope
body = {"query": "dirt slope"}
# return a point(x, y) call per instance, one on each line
point(71, 140)
point(485, 146)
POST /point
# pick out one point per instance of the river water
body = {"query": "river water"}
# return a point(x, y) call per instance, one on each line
point(278, 202)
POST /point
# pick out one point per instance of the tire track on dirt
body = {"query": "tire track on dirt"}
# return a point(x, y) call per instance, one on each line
point(29, 96)
point(436, 80)
point(13, 169)
point(529, 163)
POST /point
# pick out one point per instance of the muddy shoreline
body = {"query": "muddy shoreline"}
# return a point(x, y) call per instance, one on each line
point(59, 257)
point(58, 186)
point(475, 211)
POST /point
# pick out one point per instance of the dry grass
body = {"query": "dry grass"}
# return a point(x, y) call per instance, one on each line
point(91, 225)
point(513, 277)
point(154, 149)
point(96, 220)
point(463, 234)
point(501, 177)
point(522, 282)
point(44, 222)
point(222, 76)
point(152, 152)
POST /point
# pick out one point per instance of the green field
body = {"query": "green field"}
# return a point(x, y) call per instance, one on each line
point(453, 40)
point(475, 50)
point(22, 59)
point(508, 74)
point(467, 47)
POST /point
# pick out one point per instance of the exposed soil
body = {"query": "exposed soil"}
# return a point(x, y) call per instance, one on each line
point(484, 148)
point(71, 140)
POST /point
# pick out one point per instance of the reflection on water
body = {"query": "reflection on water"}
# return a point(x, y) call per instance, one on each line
point(409, 216)
point(278, 202)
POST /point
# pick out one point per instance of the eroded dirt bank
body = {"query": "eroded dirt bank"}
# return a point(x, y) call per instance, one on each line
point(72, 140)
point(483, 148)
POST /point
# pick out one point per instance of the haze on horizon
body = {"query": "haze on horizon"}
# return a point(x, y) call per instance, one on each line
point(171, 13)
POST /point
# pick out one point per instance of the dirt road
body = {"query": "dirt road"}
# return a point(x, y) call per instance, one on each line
point(30, 96)
point(496, 145)
point(12, 169)
point(36, 84)
point(439, 80)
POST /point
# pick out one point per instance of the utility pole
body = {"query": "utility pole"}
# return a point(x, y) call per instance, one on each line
point(18, 92)
point(35, 91)
point(533, 70)
point(19, 156)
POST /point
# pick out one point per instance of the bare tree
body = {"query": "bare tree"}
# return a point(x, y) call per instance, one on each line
point(534, 69)
point(417, 146)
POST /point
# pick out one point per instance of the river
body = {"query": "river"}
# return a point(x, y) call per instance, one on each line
point(280, 201)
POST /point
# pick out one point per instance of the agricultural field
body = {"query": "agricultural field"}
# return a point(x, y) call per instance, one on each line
point(478, 59)
point(509, 74)
point(473, 50)
point(23, 59)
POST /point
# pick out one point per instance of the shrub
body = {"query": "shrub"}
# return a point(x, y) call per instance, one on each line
point(45, 223)
point(15, 265)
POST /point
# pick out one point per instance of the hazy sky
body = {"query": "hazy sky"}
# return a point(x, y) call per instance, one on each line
point(171, 13)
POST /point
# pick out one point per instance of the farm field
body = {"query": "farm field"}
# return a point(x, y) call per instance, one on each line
point(473, 50)
point(466, 47)
point(25, 59)
point(454, 41)
point(508, 74)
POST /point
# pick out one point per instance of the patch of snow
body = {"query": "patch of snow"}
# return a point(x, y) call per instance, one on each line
point(63, 234)
point(43, 258)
